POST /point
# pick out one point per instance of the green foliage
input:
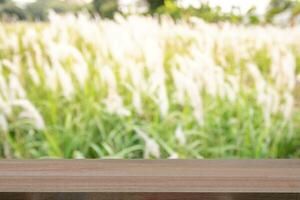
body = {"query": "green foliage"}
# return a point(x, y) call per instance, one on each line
point(205, 11)
point(106, 8)
point(279, 6)
point(169, 8)
point(80, 127)
point(38, 10)
point(62, 7)
point(9, 10)
point(4, 1)
point(154, 5)
point(252, 17)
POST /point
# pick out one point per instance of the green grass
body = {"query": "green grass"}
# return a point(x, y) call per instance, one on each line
point(80, 126)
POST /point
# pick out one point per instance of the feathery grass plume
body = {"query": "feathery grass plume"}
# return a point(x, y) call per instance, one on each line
point(29, 112)
point(88, 78)
point(151, 146)
point(180, 135)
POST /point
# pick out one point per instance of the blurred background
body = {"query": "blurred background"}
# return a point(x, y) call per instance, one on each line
point(149, 79)
point(281, 12)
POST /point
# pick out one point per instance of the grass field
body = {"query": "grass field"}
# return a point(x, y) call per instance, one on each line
point(142, 88)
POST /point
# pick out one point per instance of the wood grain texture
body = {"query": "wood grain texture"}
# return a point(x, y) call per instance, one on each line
point(149, 196)
point(150, 176)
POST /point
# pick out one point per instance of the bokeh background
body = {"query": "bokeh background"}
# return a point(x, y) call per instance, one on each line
point(150, 79)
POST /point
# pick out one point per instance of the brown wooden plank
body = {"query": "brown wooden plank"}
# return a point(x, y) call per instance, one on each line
point(151, 176)
point(150, 196)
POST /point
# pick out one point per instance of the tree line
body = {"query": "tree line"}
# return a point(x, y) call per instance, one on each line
point(38, 10)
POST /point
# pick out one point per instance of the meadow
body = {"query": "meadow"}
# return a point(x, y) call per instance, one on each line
point(141, 87)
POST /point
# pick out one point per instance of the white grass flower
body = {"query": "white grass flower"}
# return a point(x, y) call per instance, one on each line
point(180, 135)
point(163, 100)
point(137, 102)
point(81, 73)
point(174, 156)
point(29, 112)
point(5, 109)
point(288, 106)
point(114, 104)
point(152, 148)
point(139, 60)
point(34, 75)
point(65, 80)
point(3, 124)
point(15, 88)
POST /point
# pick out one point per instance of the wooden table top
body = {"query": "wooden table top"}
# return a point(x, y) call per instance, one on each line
point(182, 176)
